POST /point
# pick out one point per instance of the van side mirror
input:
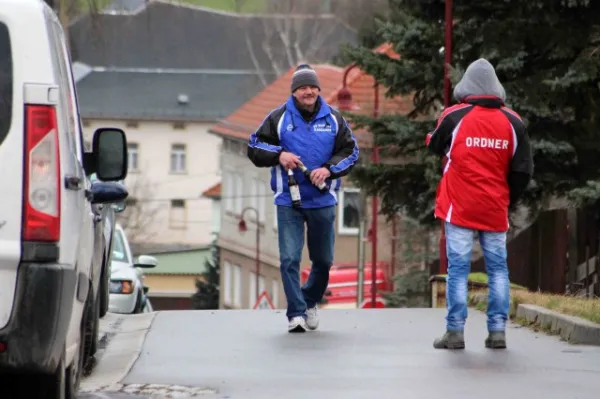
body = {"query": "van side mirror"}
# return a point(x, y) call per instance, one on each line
point(146, 261)
point(108, 192)
point(119, 207)
point(110, 154)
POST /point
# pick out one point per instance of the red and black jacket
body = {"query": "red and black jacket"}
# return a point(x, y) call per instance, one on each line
point(489, 163)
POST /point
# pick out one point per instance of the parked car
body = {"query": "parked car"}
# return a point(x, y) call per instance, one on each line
point(127, 291)
point(49, 274)
point(107, 213)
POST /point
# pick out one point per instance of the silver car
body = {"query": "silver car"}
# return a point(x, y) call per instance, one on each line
point(127, 291)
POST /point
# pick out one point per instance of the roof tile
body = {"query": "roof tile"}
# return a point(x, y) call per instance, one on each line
point(213, 191)
point(245, 120)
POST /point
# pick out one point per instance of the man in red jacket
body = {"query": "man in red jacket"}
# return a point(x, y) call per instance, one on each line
point(489, 164)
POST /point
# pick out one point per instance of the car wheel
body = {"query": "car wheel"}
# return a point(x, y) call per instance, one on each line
point(93, 330)
point(64, 382)
point(51, 386)
point(138, 303)
point(104, 284)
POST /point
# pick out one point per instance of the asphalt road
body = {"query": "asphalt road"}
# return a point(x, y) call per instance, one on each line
point(383, 353)
point(109, 395)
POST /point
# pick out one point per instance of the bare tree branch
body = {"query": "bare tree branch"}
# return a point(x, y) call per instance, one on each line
point(140, 215)
point(294, 32)
point(255, 62)
point(266, 46)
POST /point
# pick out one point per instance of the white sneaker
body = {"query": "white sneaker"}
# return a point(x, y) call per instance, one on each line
point(297, 324)
point(312, 319)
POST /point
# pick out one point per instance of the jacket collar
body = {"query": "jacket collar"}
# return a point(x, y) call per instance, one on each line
point(484, 101)
point(323, 108)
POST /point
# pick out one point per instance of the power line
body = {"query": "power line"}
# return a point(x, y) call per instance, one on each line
point(205, 198)
point(202, 198)
point(167, 181)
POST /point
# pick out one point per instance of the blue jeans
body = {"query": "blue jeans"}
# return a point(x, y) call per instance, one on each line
point(459, 245)
point(320, 233)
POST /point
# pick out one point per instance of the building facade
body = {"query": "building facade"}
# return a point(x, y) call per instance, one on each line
point(169, 166)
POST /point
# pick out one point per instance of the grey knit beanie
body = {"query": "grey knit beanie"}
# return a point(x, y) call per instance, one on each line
point(304, 76)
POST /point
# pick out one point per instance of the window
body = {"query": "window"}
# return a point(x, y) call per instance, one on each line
point(239, 194)
point(132, 156)
point(178, 159)
point(66, 99)
point(252, 288)
point(256, 196)
point(119, 253)
point(228, 190)
point(74, 122)
point(227, 284)
point(253, 195)
point(237, 286)
point(349, 218)
point(177, 214)
point(6, 82)
point(262, 198)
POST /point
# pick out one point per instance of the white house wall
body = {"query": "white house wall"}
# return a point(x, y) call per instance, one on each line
point(234, 163)
point(155, 185)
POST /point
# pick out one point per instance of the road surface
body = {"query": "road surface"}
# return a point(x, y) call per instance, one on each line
point(384, 353)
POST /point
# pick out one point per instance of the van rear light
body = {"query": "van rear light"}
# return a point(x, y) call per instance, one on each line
point(41, 188)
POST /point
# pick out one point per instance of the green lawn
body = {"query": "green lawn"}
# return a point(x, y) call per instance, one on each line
point(229, 5)
point(483, 278)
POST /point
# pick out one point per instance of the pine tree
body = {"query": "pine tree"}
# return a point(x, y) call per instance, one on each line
point(546, 54)
point(207, 288)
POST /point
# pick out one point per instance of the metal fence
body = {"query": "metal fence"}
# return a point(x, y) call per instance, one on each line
point(558, 253)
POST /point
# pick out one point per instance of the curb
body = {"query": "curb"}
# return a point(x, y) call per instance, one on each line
point(572, 329)
point(124, 336)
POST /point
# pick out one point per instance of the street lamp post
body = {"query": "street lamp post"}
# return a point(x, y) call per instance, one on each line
point(243, 227)
point(447, 94)
point(345, 103)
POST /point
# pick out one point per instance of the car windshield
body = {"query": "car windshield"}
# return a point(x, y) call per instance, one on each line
point(118, 249)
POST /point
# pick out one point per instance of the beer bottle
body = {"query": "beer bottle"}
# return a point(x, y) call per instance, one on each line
point(294, 189)
point(322, 187)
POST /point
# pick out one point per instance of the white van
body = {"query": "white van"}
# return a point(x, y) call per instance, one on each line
point(48, 233)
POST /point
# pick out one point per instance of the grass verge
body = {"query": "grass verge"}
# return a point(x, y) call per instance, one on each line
point(585, 308)
point(246, 6)
point(482, 278)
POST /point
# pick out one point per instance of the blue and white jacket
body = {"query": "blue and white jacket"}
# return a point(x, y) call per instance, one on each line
point(325, 141)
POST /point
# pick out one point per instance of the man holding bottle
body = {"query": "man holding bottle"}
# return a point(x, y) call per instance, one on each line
point(309, 146)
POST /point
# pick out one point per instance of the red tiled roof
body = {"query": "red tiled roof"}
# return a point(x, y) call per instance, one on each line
point(249, 116)
point(213, 191)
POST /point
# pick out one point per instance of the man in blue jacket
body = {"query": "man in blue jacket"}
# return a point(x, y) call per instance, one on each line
point(305, 130)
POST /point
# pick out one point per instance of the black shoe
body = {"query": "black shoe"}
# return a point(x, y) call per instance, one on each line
point(450, 340)
point(496, 340)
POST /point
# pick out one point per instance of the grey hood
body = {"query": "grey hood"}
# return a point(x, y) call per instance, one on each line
point(479, 80)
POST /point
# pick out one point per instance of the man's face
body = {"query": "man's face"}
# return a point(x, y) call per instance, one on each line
point(307, 95)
